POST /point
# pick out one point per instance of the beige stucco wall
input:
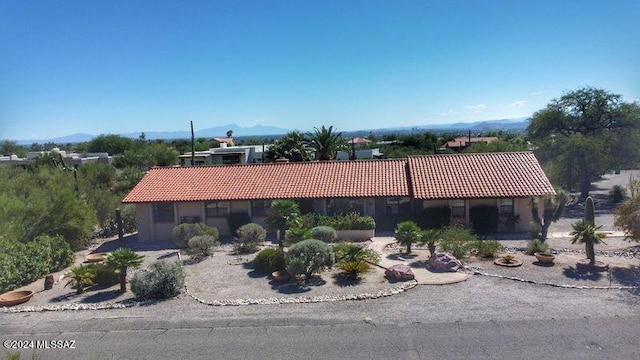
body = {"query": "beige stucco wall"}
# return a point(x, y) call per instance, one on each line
point(143, 222)
point(192, 208)
point(522, 207)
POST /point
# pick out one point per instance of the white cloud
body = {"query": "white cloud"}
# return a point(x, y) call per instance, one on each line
point(518, 103)
point(476, 107)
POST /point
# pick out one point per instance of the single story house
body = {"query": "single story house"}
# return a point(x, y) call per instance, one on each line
point(168, 196)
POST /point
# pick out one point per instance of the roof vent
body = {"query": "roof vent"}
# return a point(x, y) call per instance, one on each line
point(282, 160)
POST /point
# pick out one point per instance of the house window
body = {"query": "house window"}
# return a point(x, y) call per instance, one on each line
point(344, 206)
point(398, 205)
point(230, 159)
point(458, 209)
point(260, 207)
point(217, 208)
point(506, 207)
point(163, 212)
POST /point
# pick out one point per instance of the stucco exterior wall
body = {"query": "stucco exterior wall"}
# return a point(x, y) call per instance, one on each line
point(522, 207)
point(144, 222)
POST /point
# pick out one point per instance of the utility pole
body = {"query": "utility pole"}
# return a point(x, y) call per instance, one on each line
point(193, 147)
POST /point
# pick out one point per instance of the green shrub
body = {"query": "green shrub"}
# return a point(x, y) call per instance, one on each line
point(535, 246)
point(236, 220)
point(201, 246)
point(128, 214)
point(296, 234)
point(484, 218)
point(249, 237)
point(162, 280)
point(435, 217)
point(352, 221)
point(324, 233)
point(24, 262)
point(183, 232)
point(268, 261)
point(457, 241)
point(617, 194)
point(487, 248)
point(308, 257)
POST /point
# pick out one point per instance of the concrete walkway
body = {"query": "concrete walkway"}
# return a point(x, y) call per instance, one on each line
point(422, 275)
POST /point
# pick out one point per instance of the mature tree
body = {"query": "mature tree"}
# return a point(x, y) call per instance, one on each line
point(123, 259)
point(8, 147)
point(113, 144)
point(291, 147)
point(325, 143)
point(579, 136)
point(552, 209)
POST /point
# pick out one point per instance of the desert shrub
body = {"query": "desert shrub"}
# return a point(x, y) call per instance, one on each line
point(236, 220)
point(485, 218)
point(268, 261)
point(535, 246)
point(296, 234)
point(105, 275)
point(457, 241)
point(161, 280)
point(324, 233)
point(407, 233)
point(617, 194)
point(308, 257)
point(487, 248)
point(183, 232)
point(249, 237)
point(24, 262)
point(201, 246)
point(128, 213)
point(435, 217)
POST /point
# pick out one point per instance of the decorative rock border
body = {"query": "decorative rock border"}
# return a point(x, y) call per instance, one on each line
point(477, 271)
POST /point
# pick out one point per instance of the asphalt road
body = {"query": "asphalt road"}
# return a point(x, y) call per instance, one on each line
point(483, 318)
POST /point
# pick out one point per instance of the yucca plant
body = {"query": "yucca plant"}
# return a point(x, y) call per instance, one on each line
point(123, 259)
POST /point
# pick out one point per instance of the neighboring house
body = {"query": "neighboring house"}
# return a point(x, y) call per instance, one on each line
point(166, 197)
point(226, 155)
point(361, 154)
point(462, 142)
point(69, 158)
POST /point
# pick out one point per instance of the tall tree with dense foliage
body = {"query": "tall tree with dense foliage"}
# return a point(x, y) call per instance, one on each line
point(290, 146)
point(282, 211)
point(627, 218)
point(325, 142)
point(584, 134)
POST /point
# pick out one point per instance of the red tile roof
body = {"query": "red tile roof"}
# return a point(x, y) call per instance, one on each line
point(483, 175)
point(463, 141)
point(364, 178)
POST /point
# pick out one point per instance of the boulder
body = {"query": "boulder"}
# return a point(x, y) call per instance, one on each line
point(399, 272)
point(444, 262)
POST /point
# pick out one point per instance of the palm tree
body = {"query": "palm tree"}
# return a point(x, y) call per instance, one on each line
point(431, 238)
point(282, 212)
point(325, 142)
point(80, 277)
point(587, 233)
point(123, 259)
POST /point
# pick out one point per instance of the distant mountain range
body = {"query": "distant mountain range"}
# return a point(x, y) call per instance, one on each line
point(511, 125)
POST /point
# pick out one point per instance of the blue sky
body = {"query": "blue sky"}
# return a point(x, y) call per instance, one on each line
point(128, 66)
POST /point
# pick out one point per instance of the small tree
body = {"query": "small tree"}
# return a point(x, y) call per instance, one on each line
point(587, 233)
point(431, 238)
point(80, 277)
point(552, 210)
point(407, 233)
point(281, 213)
point(123, 259)
point(250, 236)
point(308, 257)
